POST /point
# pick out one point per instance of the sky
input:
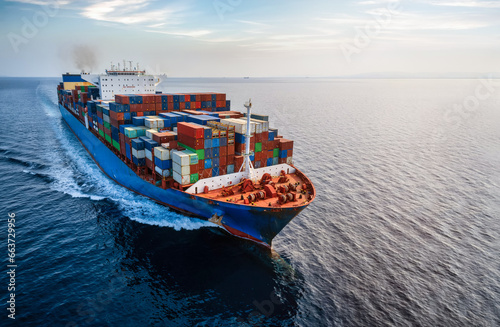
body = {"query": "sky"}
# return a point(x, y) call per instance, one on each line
point(258, 38)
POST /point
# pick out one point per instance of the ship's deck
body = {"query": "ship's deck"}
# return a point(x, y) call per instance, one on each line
point(298, 184)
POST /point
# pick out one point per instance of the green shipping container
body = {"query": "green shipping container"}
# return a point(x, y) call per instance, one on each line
point(106, 124)
point(185, 146)
point(194, 178)
point(101, 132)
point(200, 153)
point(258, 147)
point(276, 153)
point(108, 138)
point(116, 145)
point(131, 132)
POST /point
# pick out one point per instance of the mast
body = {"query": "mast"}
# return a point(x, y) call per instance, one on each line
point(247, 162)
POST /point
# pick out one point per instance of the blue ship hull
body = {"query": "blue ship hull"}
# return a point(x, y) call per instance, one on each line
point(257, 224)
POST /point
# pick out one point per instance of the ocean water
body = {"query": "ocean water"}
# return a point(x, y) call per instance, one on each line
point(405, 229)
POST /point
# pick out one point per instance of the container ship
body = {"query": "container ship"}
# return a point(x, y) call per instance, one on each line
point(187, 151)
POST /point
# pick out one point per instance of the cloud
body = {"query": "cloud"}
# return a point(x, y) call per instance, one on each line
point(467, 3)
point(127, 12)
point(195, 33)
point(42, 2)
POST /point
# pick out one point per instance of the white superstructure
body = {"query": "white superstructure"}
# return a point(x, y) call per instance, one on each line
point(123, 81)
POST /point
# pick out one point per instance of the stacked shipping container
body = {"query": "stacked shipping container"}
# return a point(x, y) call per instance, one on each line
point(180, 137)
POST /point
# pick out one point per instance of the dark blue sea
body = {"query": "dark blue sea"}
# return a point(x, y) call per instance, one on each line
point(405, 230)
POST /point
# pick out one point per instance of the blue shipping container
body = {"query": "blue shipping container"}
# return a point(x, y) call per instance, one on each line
point(208, 143)
point(215, 152)
point(163, 164)
point(139, 162)
point(208, 163)
point(208, 153)
point(128, 151)
point(138, 121)
point(138, 144)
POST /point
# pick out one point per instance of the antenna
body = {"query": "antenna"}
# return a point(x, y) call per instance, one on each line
point(124, 65)
point(118, 66)
point(130, 62)
point(111, 65)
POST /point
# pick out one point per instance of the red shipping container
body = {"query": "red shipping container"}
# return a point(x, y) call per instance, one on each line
point(230, 150)
point(238, 162)
point(258, 137)
point(158, 106)
point(222, 160)
point(258, 156)
point(170, 106)
point(192, 142)
point(285, 144)
point(222, 170)
point(116, 115)
point(270, 154)
point(230, 160)
point(182, 105)
point(207, 173)
point(289, 153)
point(150, 164)
point(201, 165)
point(263, 163)
point(223, 151)
point(239, 148)
point(140, 114)
point(164, 137)
point(282, 160)
point(157, 98)
point(193, 169)
point(265, 136)
point(190, 130)
point(122, 99)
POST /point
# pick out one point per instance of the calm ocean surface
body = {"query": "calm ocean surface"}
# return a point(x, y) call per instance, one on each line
point(405, 230)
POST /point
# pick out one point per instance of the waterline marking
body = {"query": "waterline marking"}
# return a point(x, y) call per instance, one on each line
point(11, 272)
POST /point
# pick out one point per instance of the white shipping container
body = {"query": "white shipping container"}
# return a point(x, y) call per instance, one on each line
point(265, 124)
point(162, 153)
point(239, 127)
point(183, 180)
point(253, 125)
point(180, 158)
point(183, 170)
point(138, 153)
point(149, 132)
point(105, 118)
point(149, 155)
point(163, 172)
point(151, 123)
point(289, 160)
